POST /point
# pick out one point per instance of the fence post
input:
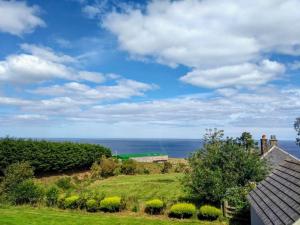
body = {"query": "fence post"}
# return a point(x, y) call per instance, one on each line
point(224, 207)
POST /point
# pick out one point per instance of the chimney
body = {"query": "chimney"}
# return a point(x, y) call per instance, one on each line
point(273, 141)
point(263, 144)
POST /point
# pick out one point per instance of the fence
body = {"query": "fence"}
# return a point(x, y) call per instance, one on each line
point(231, 212)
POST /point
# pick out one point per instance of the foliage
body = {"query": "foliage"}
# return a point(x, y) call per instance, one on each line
point(297, 128)
point(237, 197)
point(64, 183)
point(15, 174)
point(52, 196)
point(61, 201)
point(166, 167)
point(246, 141)
point(111, 204)
point(182, 210)
point(181, 168)
point(46, 156)
point(71, 202)
point(26, 192)
point(209, 212)
point(91, 205)
point(104, 168)
point(220, 165)
point(154, 206)
point(129, 167)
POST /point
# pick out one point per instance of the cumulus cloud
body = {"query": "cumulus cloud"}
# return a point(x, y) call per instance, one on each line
point(209, 35)
point(38, 64)
point(18, 18)
point(246, 74)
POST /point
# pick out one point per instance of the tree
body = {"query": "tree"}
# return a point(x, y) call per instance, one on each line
point(247, 142)
point(297, 128)
point(221, 164)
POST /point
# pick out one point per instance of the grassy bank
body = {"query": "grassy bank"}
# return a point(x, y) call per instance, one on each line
point(46, 216)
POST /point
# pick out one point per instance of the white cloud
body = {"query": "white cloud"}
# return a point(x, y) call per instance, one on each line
point(18, 18)
point(247, 74)
point(209, 34)
point(40, 64)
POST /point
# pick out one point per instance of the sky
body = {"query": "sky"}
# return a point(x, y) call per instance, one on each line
point(149, 69)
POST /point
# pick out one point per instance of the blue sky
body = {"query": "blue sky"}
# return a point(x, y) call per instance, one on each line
point(142, 69)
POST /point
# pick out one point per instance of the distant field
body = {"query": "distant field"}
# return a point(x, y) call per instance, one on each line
point(47, 216)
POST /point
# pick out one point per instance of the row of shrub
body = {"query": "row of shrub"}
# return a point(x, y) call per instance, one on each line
point(47, 156)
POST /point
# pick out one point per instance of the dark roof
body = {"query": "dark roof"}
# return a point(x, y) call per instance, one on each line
point(277, 155)
point(276, 199)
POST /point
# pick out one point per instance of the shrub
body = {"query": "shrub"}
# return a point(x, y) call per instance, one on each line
point(61, 201)
point(209, 212)
point(47, 156)
point(166, 167)
point(26, 192)
point(91, 205)
point(129, 167)
point(104, 168)
point(71, 202)
point(52, 196)
point(182, 210)
point(15, 174)
point(154, 206)
point(111, 204)
point(64, 183)
point(237, 197)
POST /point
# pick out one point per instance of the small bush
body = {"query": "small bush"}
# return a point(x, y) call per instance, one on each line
point(111, 204)
point(61, 201)
point(64, 183)
point(104, 168)
point(52, 196)
point(71, 202)
point(166, 167)
point(237, 197)
point(154, 206)
point(26, 192)
point(129, 167)
point(208, 212)
point(182, 210)
point(91, 205)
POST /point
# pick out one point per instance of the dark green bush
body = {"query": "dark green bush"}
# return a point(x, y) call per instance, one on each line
point(111, 204)
point(71, 202)
point(182, 210)
point(129, 167)
point(91, 205)
point(52, 196)
point(208, 212)
point(46, 156)
point(64, 183)
point(154, 206)
point(27, 192)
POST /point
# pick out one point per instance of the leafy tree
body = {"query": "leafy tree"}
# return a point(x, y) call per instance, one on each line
point(221, 164)
point(247, 142)
point(297, 128)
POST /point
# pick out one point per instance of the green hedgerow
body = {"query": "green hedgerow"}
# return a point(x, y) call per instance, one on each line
point(111, 204)
point(71, 202)
point(154, 206)
point(209, 212)
point(52, 196)
point(91, 205)
point(182, 210)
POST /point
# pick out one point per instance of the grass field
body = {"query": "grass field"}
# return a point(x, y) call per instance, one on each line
point(143, 187)
point(46, 216)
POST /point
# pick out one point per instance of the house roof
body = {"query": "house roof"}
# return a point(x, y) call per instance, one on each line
point(136, 155)
point(276, 155)
point(276, 199)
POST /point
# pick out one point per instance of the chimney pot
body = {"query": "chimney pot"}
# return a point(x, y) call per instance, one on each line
point(273, 141)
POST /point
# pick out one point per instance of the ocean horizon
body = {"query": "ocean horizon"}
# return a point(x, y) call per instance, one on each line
point(175, 148)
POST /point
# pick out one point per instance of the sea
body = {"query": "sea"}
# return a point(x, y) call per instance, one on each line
point(175, 148)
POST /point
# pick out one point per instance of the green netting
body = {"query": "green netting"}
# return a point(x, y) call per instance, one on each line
point(128, 156)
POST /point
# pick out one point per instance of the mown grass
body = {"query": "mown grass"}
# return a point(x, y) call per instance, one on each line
point(47, 216)
point(143, 187)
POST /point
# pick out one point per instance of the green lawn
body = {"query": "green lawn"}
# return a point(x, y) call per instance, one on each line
point(46, 216)
point(143, 187)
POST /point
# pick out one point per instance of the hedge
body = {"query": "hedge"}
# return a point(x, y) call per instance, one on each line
point(111, 204)
point(209, 212)
point(47, 156)
point(182, 210)
point(154, 206)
